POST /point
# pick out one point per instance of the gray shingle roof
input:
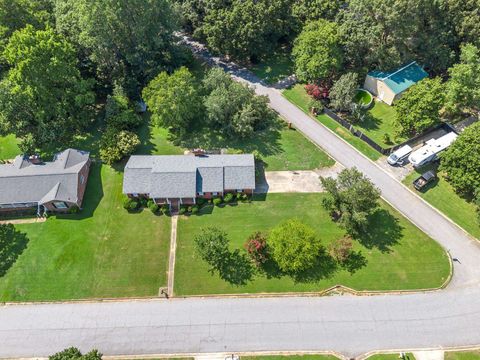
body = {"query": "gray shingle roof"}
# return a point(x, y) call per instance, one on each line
point(23, 181)
point(177, 176)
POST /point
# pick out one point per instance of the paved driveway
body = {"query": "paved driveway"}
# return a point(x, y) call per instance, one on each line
point(347, 324)
point(296, 181)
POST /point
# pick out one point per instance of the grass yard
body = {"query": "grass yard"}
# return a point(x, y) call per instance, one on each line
point(462, 355)
point(408, 356)
point(299, 97)
point(8, 147)
point(380, 121)
point(101, 252)
point(397, 254)
point(290, 357)
point(275, 67)
point(442, 196)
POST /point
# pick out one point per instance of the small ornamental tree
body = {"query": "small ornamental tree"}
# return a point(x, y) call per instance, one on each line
point(351, 198)
point(294, 246)
point(318, 92)
point(256, 246)
point(341, 249)
point(343, 92)
point(211, 245)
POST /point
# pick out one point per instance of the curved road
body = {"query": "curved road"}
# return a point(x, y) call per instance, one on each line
point(349, 325)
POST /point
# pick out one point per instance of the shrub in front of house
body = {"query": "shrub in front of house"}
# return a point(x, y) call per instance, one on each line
point(165, 209)
point(228, 198)
point(217, 201)
point(195, 209)
point(182, 210)
point(201, 201)
point(126, 203)
point(154, 208)
point(74, 209)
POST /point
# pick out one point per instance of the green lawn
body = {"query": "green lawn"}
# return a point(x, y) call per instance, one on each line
point(299, 97)
point(290, 357)
point(408, 356)
point(101, 252)
point(8, 147)
point(397, 254)
point(462, 355)
point(275, 67)
point(442, 196)
point(380, 120)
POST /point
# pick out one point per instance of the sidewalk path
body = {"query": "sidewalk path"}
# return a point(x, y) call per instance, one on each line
point(24, 221)
point(171, 260)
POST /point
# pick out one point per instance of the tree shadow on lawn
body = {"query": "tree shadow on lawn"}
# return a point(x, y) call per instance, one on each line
point(265, 142)
point(383, 232)
point(12, 245)
point(236, 269)
point(93, 194)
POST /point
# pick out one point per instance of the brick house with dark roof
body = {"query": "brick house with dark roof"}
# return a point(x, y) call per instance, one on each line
point(181, 179)
point(56, 186)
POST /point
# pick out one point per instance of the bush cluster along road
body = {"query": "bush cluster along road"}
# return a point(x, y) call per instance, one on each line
point(346, 324)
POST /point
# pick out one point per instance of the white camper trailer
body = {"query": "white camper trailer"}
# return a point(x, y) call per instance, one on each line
point(429, 152)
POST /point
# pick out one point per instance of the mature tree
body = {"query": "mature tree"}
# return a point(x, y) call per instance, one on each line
point(246, 29)
point(294, 246)
point(75, 354)
point(376, 35)
point(174, 100)
point(120, 113)
point(317, 51)
point(352, 197)
point(130, 42)
point(311, 10)
point(464, 15)
point(43, 95)
point(212, 246)
point(233, 107)
point(16, 14)
point(115, 145)
point(419, 107)
point(461, 161)
point(12, 244)
point(463, 87)
point(343, 91)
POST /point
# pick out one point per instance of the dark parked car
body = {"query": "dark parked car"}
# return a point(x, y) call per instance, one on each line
point(426, 178)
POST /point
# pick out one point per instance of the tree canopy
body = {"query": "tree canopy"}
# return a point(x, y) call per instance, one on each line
point(343, 92)
point(317, 51)
point(174, 100)
point(461, 161)
point(43, 97)
point(463, 86)
point(75, 354)
point(128, 43)
point(419, 107)
point(352, 197)
point(294, 246)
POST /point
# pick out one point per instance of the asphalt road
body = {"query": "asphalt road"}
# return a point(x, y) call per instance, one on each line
point(347, 324)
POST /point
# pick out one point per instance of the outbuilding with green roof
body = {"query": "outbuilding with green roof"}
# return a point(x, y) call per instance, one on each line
point(388, 86)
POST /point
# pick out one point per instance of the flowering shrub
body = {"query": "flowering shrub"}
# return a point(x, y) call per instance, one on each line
point(256, 247)
point(318, 92)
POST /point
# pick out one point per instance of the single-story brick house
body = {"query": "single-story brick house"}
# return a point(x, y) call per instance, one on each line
point(388, 86)
point(181, 179)
point(56, 186)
